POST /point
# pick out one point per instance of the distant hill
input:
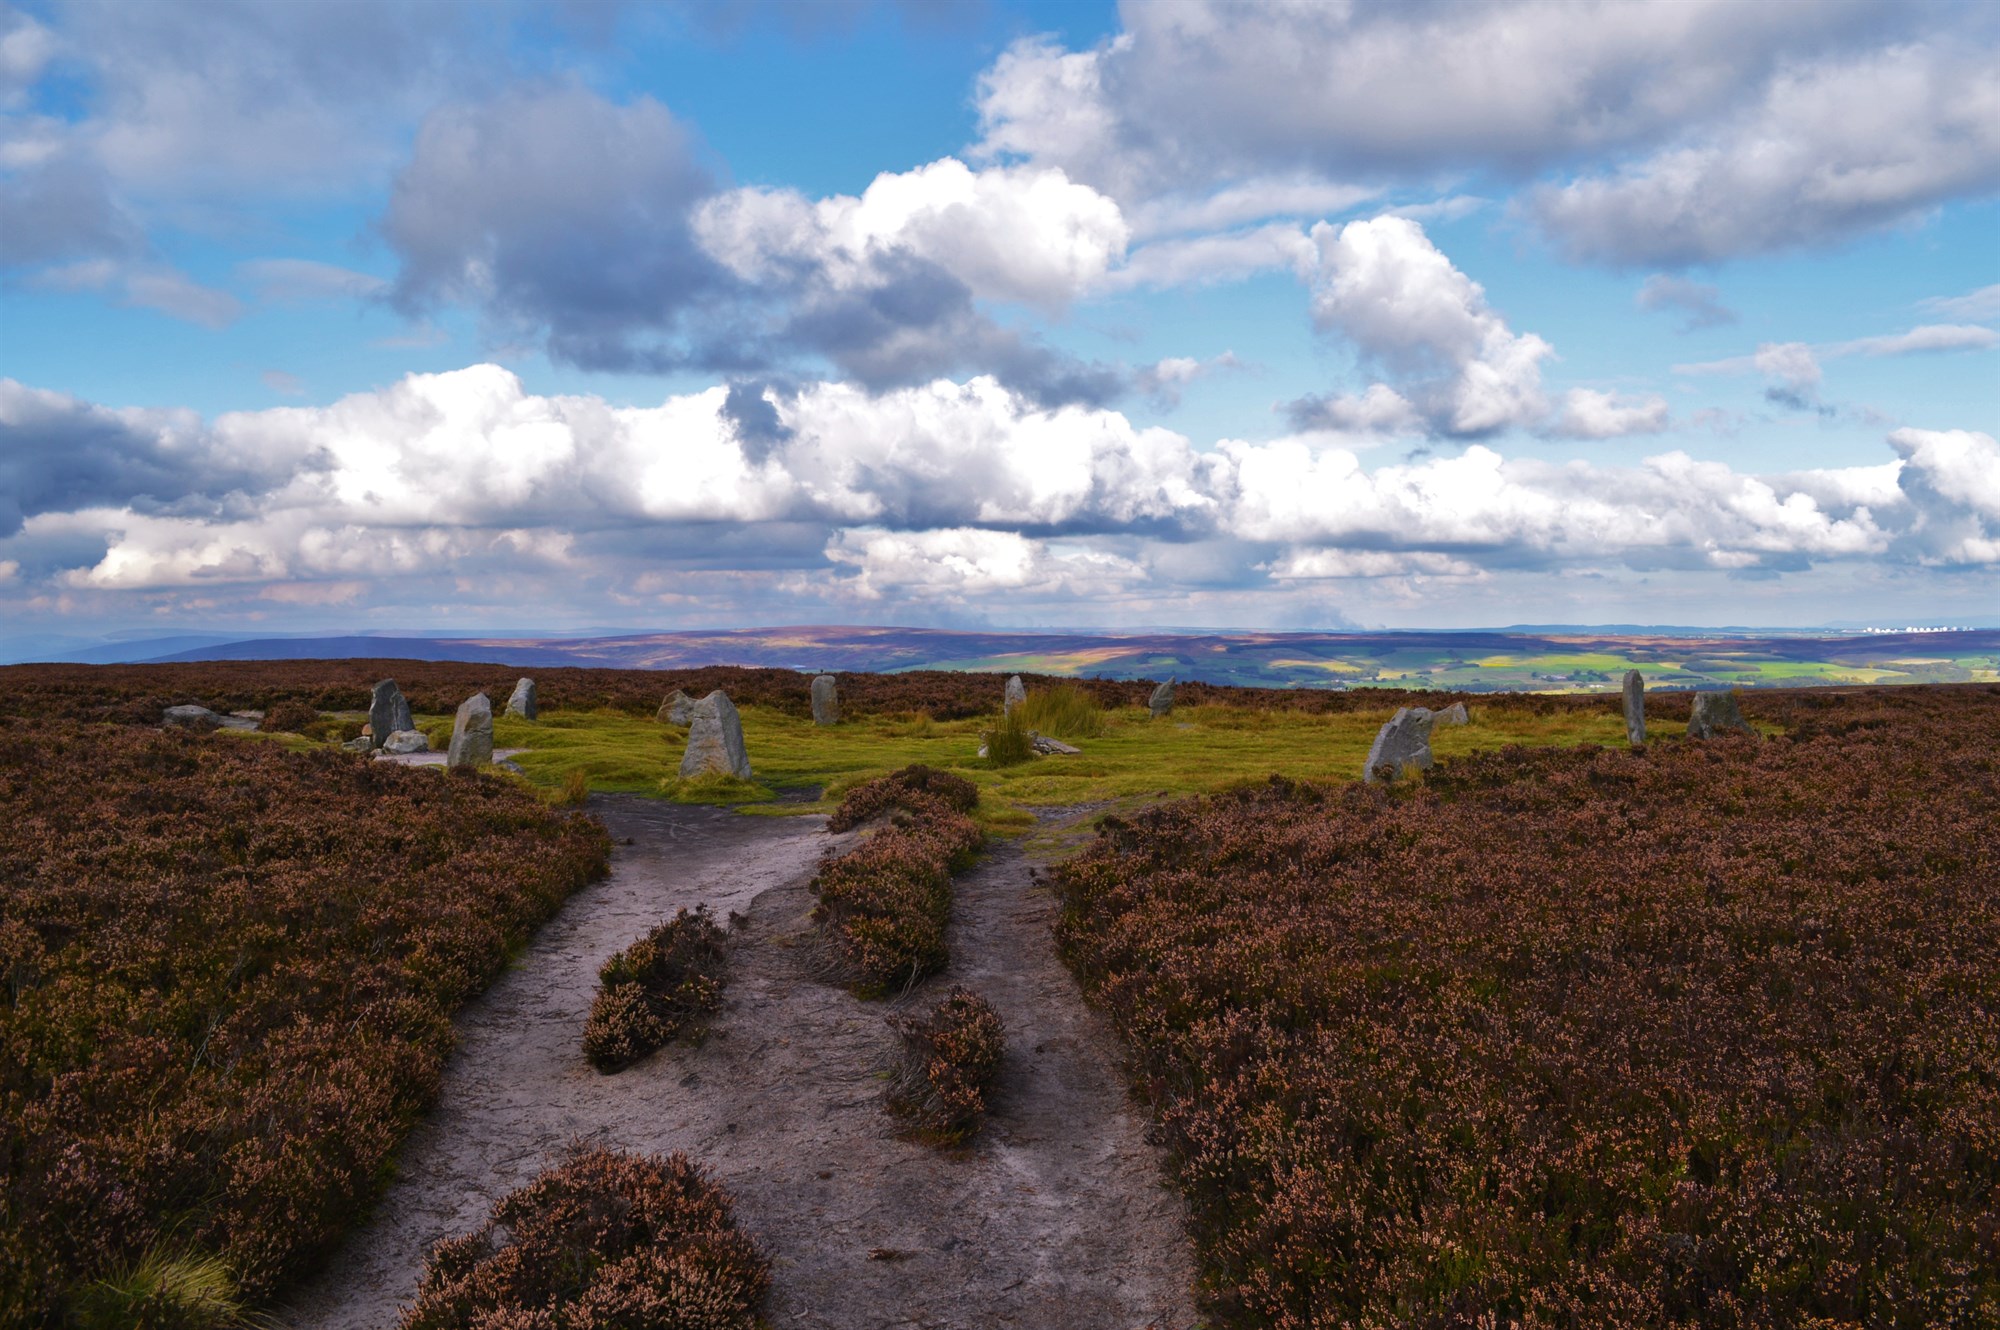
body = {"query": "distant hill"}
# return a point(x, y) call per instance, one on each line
point(1470, 661)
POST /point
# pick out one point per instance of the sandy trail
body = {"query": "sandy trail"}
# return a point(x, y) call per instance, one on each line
point(1054, 1216)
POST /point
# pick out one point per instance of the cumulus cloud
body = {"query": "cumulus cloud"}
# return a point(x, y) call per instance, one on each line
point(1426, 327)
point(1590, 414)
point(956, 494)
point(1699, 303)
point(1793, 371)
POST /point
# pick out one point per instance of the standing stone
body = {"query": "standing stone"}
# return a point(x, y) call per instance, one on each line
point(522, 702)
point(1404, 743)
point(191, 717)
point(471, 734)
point(1162, 700)
point(1017, 694)
point(388, 712)
point(1635, 708)
point(826, 701)
point(715, 740)
point(678, 709)
point(1716, 713)
point(1455, 714)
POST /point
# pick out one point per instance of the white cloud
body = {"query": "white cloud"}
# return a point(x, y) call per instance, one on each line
point(962, 563)
point(1981, 304)
point(1698, 301)
point(1952, 478)
point(1590, 414)
point(1426, 326)
point(1930, 337)
point(295, 281)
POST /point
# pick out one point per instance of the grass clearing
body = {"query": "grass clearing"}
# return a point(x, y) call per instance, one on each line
point(1195, 750)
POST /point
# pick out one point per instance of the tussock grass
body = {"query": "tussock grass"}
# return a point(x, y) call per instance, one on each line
point(1008, 744)
point(1063, 712)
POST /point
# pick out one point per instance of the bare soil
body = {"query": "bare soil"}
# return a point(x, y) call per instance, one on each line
point(1054, 1216)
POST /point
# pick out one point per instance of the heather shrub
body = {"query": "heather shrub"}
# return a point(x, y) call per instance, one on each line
point(884, 905)
point(872, 799)
point(288, 718)
point(1064, 711)
point(604, 1241)
point(649, 992)
point(1699, 1035)
point(219, 1021)
point(1009, 744)
point(950, 1056)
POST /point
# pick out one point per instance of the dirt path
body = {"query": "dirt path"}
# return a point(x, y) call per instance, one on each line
point(1053, 1217)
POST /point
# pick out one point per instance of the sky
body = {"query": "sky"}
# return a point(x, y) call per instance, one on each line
point(368, 316)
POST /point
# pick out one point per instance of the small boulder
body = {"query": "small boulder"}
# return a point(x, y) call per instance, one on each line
point(715, 740)
point(1162, 700)
point(522, 701)
point(1016, 695)
point(1046, 746)
point(1716, 713)
point(1635, 708)
point(190, 717)
point(388, 712)
point(407, 741)
point(826, 701)
point(1455, 714)
point(471, 734)
point(361, 744)
point(1402, 745)
point(678, 709)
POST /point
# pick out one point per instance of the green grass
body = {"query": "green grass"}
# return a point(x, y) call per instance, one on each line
point(1133, 759)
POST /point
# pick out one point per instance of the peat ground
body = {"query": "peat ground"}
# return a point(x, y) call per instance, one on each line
point(1054, 1216)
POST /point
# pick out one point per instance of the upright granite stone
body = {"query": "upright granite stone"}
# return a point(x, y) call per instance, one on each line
point(715, 740)
point(826, 701)
point(522, 702)
point(191, 717)
point(388, 712)
point(472, 735)
point(1017, 694)
point(1635, 708)
point(1161, 703)
point(1716, 713)
point(1455, 714)
point(1402, 745)
point(678, 709)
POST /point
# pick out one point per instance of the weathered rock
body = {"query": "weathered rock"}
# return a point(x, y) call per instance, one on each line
point(522, 701)
point(1401, 745)
point(388, 712)
point(1048, 747)
point(472, 734)
point(1455, 714)
point(1716, 713)
point(1017, 694)
point(826, 701)
point(715, 740)
point(190, 717)
point(678, 709)
point(359, 745)
point(1162, 701)
point(407, 741)
point(1635, 707)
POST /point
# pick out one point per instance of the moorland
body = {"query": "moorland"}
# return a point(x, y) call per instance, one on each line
point(1565, 1033)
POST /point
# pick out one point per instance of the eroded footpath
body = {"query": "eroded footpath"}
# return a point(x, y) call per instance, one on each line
point(1054, 1216)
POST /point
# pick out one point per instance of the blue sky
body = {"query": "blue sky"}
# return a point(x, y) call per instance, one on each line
point(374, 316)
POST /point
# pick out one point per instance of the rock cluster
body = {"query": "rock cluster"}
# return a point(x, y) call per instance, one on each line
point(522, 701)
point(715, 740)
point(1716, 713)
point(388, 712)
point(826, 701)
point(471, 735)
point(1162, 701)
point(1635, 708)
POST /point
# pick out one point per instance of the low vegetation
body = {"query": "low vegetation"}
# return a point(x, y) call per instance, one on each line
point(884, 905)
point(1063, 711)
point(229, 976)
point(604, 1241)
point(650, 992)
point(951, 1055)
point(1702, 1034)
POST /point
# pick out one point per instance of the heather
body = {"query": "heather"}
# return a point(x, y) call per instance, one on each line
point(873, 799)
point(1705, 1034)
point(603, 1241)
point(230, 972)
point(950, 1056)
point(885, 904)
point(650, 992)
